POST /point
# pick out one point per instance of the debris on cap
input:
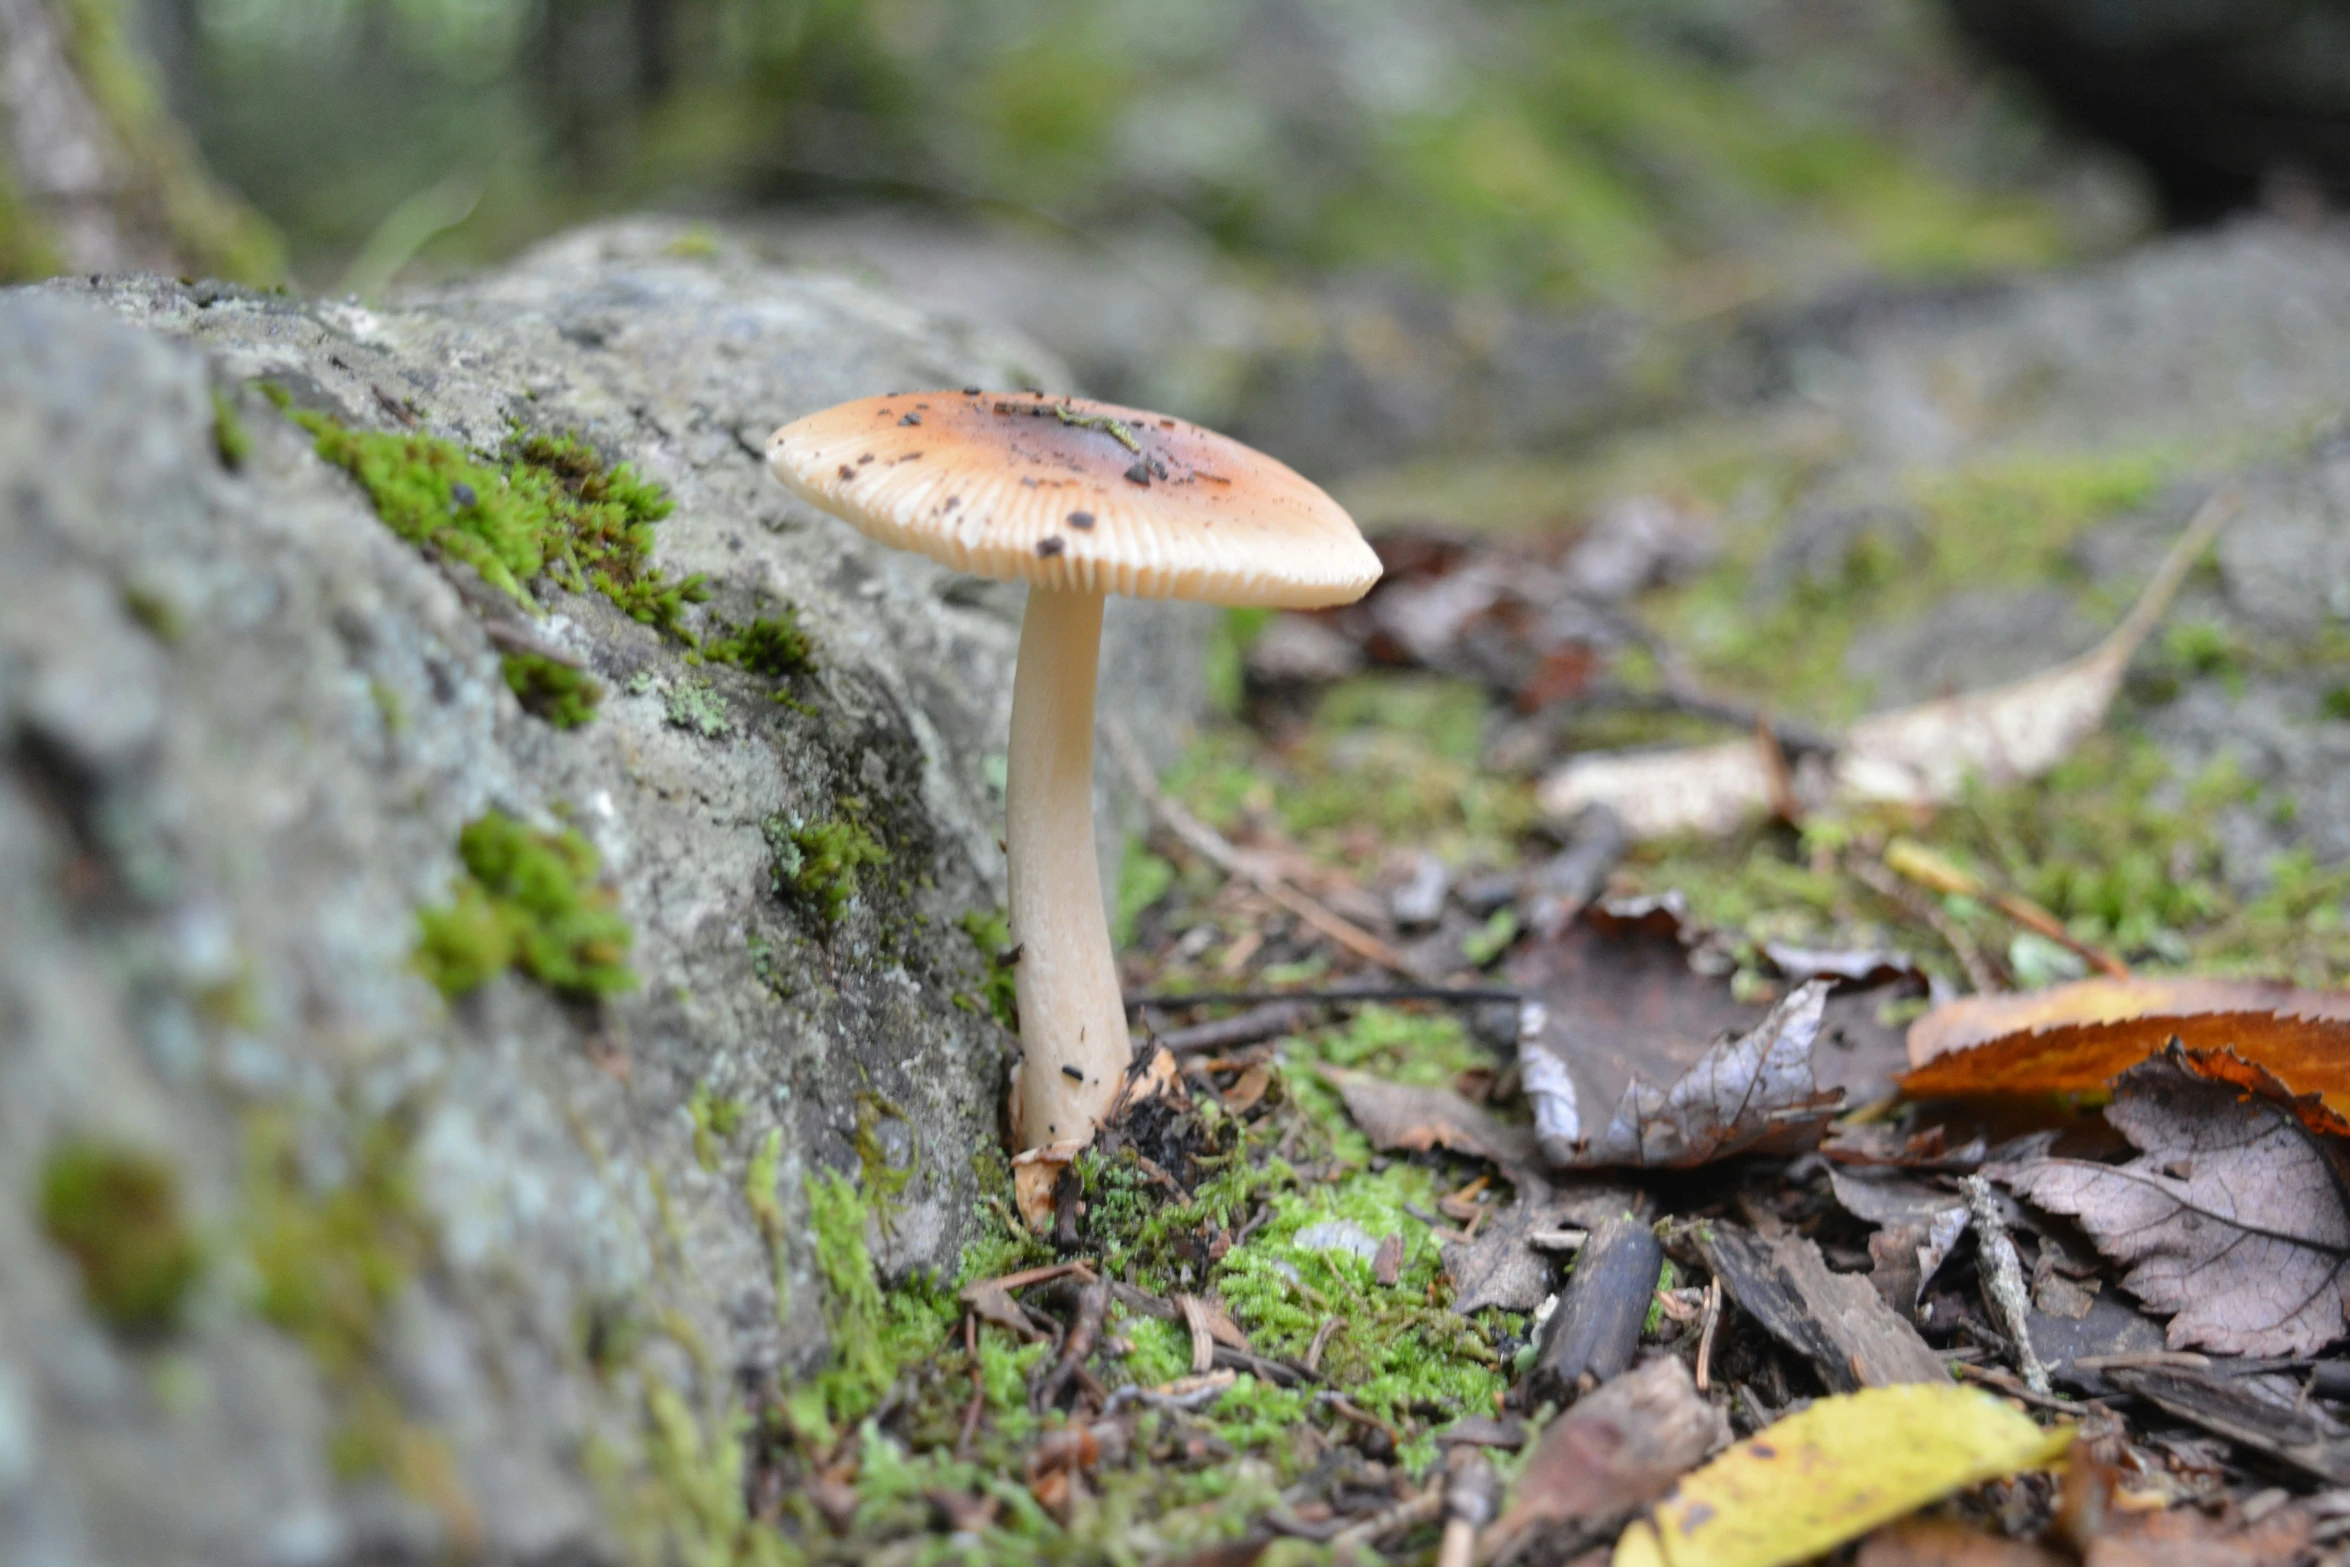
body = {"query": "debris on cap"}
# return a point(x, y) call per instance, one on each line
point(1071, 493)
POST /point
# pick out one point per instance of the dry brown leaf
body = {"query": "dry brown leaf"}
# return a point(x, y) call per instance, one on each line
point(1919, 755)
point(1938, 1542)
point(1499, 1266)
point(1397, 1116)
point(1621, 1447)
point(2078, 1038)
point(2183, 1537)
point(2231, 1219)
point(1750, 1094)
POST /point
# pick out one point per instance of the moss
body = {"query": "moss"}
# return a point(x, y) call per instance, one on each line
point(772, 645)
point(817, 862)
point(528, 899)
point(230, 441)
point(332, 1245)
point(715, 1119)
point(156, 611)
point(562, 694)
point(2007, 521)
point(873, 1335)
point(999, 991)
point(117, 1212)
point(549, 505)
point(685, 1504)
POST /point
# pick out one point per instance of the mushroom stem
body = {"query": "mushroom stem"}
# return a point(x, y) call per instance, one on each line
point(1073, 1036)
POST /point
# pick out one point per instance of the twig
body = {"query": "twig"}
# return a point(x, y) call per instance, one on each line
point(1427, 1507)
point(2003, 1279)
point(1093, 1303)
point(1217, 850)
point(1249, 1028)
point(978, 1404)
point(1962, 946)
point(1928, 869)
point(1322, 1334)
point(1328, 995)
point(1705, 1334)
point(1994, 1376)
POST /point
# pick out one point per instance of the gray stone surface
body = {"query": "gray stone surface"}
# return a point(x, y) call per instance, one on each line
point(241, 725)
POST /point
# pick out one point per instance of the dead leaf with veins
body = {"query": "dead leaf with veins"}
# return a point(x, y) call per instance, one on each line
point(1400, 1117)
point(1754, 1093)
point(1919, 755)
point(2078, 1038)
point(1499, 1265)
point(2232, 1219)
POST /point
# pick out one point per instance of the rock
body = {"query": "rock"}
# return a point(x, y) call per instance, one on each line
point(387, 1275)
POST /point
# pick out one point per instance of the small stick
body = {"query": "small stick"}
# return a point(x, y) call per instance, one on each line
point(1993, 1376)
point(978, 1404)
point(1217, 850)
point(1558, 1240)
point(1962, 946)
point(1472, 1495)
point(1251, 1027)
point(1427, 1507)
point(1930, 870)
point(1322, 1334)
point(1705, 1335)
point(2003, 1282)
point(1093, 1303)
point(1462, 995)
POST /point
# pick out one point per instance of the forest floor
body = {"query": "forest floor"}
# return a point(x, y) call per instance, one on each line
point(1533, 1156)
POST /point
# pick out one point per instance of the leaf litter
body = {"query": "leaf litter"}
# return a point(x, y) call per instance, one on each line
point(1369, 1238)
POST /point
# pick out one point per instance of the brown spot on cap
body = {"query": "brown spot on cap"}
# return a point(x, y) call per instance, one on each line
point(908, 419)
point(868, 457)
point(847, 472)
point(1006, 497)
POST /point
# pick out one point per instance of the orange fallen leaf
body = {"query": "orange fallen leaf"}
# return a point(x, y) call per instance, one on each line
point(2078, 1038)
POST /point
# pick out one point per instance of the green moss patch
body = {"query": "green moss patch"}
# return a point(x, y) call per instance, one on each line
point(998, 993)
point(528, 899)
point(818, 862)
point(562, 694)
point(117, 1212)
point(548, 506)
point(772, 645)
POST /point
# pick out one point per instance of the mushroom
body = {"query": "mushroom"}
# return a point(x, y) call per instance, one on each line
point(1078, 499)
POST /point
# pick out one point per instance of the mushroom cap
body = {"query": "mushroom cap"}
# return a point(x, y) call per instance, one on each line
point(1070, 493)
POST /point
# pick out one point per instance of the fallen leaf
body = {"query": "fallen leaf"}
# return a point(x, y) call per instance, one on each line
point(1036, 1174)
point(1833, 1472)
point(1397, 1116)
point(1751, 1094)
point(2078, 1038)
point(1937, 1542)
point(1920, 755)
point(1837, 1321)
point(991, 1302)
point(1618, 1449)
point(2266, 1414)
point(2231, 1219)
point(1500, 1266)
point(2183, 1537)
point(1919, 1224)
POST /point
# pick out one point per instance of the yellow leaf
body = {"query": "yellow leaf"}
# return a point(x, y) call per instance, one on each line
point(1834, 1472)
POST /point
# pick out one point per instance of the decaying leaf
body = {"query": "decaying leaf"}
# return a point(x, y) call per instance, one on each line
point(2184, 1537)
point(2078, 1038)
point(1751, 1094)
point(1399, 1117)
point(1618, 1449)
point(1919, 755)
point(1500, 1266)
point(2231, 1219)
point(2267, 1414)
point(1837, 1321)
point(1938, 1542)
point(1835, 1471)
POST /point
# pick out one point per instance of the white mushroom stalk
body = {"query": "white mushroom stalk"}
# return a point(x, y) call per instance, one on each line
point(1077, 499)
point(1073, 1036)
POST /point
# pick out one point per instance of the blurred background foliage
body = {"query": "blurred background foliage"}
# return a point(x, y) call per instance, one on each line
point(1685, 155)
